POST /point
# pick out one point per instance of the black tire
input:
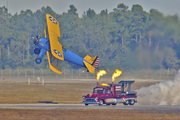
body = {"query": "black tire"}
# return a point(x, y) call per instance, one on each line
point(126, 103)
point(101, 102)
point(38, 60)
point(36, 50)
point(114, 104)
point(107, 104)
point(86, 104)
point(131, 102)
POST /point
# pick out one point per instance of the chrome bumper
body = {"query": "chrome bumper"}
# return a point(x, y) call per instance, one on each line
point(90, 101)
point(114, 100)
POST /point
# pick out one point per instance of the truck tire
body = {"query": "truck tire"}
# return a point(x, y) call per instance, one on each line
point(126, 103)
point(131, 102)
point(86, 104)
point(101, 102)
point(114, 104)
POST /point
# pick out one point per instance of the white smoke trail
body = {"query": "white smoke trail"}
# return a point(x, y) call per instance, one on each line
point(163, 93)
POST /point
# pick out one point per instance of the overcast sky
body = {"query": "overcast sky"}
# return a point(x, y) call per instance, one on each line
point(59, 6)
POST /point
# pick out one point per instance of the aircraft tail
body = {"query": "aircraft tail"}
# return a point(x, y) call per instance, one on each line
point(93, 63)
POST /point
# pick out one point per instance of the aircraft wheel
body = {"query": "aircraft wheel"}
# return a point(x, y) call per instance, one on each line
point(36, 50)
point(38, 60)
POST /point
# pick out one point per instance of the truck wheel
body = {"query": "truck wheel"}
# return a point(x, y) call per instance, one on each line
point(86, 104)
point(114, 104)
point(101, 102)
point(131, 102)
point(126, 103)
point(107, 104)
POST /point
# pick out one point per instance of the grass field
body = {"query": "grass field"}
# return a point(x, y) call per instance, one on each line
point(12, 92)
point(76, 114)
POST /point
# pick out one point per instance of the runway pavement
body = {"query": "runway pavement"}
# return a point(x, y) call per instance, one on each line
point(82, 106)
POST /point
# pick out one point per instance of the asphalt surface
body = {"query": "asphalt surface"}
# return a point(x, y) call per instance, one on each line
point(82, 106)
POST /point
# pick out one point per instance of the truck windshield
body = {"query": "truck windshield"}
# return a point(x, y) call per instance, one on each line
point(99, 90)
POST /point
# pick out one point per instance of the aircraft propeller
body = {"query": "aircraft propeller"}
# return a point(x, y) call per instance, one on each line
point(37, 39)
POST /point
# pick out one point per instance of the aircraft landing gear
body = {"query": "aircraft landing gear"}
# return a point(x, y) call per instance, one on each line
point(36, 50)
point(38, 60)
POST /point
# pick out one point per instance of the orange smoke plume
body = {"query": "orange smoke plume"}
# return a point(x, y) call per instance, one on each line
point(100, 73)
point(116, 74)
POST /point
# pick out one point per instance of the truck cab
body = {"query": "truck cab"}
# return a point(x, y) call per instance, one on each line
point(105, 93)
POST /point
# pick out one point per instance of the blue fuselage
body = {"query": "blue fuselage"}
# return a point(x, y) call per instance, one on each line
point(44, 46)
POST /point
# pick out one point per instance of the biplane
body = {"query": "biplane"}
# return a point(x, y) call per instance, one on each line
point(55, 52)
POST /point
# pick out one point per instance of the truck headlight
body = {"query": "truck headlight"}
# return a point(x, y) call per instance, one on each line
point(96, 98)
point(84, 98)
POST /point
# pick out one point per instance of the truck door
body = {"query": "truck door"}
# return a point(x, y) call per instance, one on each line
point(109, 93)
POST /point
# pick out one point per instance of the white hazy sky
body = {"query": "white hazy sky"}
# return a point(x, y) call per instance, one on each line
point(167, 7)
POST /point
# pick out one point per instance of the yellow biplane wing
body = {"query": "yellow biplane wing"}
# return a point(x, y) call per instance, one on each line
point(54, 63)
point(54, 33)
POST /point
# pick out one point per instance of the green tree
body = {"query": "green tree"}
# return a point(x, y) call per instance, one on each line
point(91, 13)
point(171, 58)
point(73, 10)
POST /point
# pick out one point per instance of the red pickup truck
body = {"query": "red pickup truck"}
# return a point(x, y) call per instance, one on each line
point(108, 94)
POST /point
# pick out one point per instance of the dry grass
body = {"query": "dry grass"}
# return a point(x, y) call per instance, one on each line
point(86, 114)
point(69, 93)
point(60, 92)
point(12, 92)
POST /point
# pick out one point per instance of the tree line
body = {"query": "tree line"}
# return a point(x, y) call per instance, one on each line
point(124, 39)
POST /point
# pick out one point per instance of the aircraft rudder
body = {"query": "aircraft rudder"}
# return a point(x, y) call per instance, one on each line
point(95, 62)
